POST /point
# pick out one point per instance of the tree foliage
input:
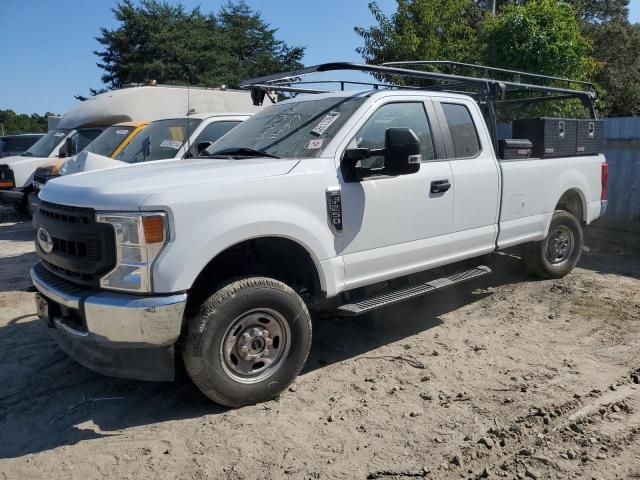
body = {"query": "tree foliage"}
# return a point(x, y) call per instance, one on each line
point(422, 30)
point(541, 36)
point(168, 43)
point(13, 123)
point(617, 46)
point(538, 36)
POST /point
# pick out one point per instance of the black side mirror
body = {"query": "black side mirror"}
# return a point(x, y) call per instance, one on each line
point(68, 149)
point(202, 146)
point(401, 156)
point(401, 152)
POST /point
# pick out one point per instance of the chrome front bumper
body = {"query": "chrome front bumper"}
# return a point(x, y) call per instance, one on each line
point(111, 332)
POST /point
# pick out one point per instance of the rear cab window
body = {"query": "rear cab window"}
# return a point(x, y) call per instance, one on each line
point(462, 129)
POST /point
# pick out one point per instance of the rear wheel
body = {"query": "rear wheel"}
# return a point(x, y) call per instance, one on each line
point(558, 254)
point(249, 341)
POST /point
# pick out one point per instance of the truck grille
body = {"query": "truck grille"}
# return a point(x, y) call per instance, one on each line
point(83, 250)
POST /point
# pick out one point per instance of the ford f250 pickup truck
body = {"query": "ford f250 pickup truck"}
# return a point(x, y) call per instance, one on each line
point(305, 206)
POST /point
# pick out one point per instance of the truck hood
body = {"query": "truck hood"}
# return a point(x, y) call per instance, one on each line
point(87, 161)
point(24, 167)
point(127, 187)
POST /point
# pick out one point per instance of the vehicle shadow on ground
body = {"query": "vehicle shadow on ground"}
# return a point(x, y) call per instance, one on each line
point(48, 401)
point(14, 271)
point(611, 251)
point(20, 231)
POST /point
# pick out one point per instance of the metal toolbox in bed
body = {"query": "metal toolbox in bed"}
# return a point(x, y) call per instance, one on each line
point(590, 137)
point(514, 148)
point(551, 137)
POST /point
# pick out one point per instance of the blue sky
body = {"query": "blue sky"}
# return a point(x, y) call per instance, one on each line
point(46, 46)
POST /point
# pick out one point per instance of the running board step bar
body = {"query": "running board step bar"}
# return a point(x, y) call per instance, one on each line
point(386, 299)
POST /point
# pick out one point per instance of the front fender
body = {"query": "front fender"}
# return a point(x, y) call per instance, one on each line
point(283, 207)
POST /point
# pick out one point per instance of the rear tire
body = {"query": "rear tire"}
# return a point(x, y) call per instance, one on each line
point(249, 341)
point(556, 255)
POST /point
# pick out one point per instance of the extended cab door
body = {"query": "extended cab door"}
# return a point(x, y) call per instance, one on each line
point(394, 226)
point(476, 177)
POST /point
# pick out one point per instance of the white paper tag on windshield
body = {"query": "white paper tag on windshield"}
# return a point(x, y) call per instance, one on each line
point(325, 123)
point(171, 144)
point(59, 134)
point(122, 132)
point(314, 144)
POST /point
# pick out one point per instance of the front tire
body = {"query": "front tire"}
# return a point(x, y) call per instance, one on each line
point(556, 255)
point(249, 341)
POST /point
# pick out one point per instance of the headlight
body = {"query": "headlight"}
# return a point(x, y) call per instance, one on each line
point(139, 240)
point(6, 177)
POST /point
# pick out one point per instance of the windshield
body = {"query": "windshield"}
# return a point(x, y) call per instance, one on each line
point(160, 140)
point(16, 145)
point(107, 142)
point(45, 146)
point(291, 130)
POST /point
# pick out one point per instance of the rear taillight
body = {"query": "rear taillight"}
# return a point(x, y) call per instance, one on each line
point(604, 178)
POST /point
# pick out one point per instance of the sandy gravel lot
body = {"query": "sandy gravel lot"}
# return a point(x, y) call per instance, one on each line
point(507, 377)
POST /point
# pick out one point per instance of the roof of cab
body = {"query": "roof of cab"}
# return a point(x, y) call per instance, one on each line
point(204, 116)
point(131, 124)
point(153, 103)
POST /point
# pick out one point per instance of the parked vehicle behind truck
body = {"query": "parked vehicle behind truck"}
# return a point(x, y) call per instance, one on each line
point(109, 143)
point(11, 145)
point(81, 125)
point(349, 201)
point(166, 139)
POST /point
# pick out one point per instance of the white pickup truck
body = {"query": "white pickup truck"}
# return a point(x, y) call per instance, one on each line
point(297, 208)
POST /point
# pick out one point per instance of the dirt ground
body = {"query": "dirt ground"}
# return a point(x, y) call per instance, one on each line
point(507, 377)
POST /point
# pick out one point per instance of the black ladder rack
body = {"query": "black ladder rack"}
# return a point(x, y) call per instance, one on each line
point(484, 89)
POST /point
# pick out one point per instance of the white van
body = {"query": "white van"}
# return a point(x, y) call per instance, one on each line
point(78, 127)
point(167, 139)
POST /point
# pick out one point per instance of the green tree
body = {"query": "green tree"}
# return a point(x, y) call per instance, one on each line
point(587, 10)
point(601, 10)
point(422, 30)
point(541, 36)
point(616, 45)
point(14, 123)
point(168, 43)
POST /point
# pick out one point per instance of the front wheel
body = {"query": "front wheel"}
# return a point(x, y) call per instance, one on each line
point(558, 254)
point(249, 341)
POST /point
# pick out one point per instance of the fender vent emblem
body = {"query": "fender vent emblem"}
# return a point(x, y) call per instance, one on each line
point(334, 208)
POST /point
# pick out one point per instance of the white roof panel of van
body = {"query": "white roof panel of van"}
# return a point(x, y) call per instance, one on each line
point(153, 103)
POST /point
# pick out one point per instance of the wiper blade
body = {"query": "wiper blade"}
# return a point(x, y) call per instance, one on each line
point(241, 152)
point(26, 154)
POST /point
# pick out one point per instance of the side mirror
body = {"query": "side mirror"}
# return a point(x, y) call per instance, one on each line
point(401, 156)
point(202, 146)
point(401, 152)
point(68, 149)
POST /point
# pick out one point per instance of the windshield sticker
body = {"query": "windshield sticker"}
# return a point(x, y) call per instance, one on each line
point(59, 134)
point(122, 132)
point(325, 123)
point(171, 144)
point(314, 144)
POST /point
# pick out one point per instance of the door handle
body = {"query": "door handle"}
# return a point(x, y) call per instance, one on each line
point(440, 186)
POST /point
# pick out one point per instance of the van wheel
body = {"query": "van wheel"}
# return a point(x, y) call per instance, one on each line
point(558, 254)
point(249, 341)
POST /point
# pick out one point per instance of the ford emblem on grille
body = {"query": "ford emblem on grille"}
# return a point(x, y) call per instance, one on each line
point(44, 240)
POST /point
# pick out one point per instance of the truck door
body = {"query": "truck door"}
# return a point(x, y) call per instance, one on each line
point(393, 226)
point(476, 177)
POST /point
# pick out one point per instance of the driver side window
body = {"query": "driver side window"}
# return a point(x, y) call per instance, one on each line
point(397, 115)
